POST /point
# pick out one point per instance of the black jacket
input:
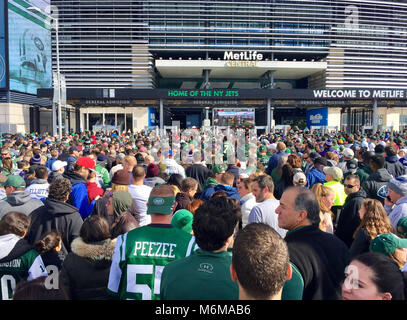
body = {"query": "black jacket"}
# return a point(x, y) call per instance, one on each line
point(321, 259)
point(394, 166)
point(361, 243)
point(349, 218)
point(85, 271)
point(56, 215)
point(199, 173)
point(374, 184)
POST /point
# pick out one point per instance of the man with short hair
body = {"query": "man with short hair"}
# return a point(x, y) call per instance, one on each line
point(396, 199)
point(73, 156)
point(198, 171)
point(375, 185)
point(260, 263)
point(349, 219)
point(38, 188)
point(57, 214)
point(226, 186)
point(18, 199)
point(316, 174)
point(141, 254)
point(214, 225)
point(320, 257)
point(129, 163)
point(78, 178)
point(140, 193)
point(273, 162)
point(393, 165)
point(118, 166)
point(266, 204)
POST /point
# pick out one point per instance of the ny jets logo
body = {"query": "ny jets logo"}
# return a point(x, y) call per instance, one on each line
point(382, 192)
point(158, 201)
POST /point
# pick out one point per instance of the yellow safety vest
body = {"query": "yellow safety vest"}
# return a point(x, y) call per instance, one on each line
point(340, 195)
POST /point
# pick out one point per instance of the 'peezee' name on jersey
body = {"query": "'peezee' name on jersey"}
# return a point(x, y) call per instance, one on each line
point(154, 249)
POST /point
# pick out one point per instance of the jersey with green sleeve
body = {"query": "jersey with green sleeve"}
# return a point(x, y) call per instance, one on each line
point(140, 257)
point(27, 267)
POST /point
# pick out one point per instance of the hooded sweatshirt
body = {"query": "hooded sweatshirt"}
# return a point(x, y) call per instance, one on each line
point(231, 192)
point(375, 185)
point(38, 189)
point(56, 215)
point(20, 201)
point(398, 211)
point(79, 195)
point(18, 261)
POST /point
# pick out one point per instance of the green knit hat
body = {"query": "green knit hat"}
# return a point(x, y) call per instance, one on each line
point(182, 219)
point(387, 243)
point(218, 168)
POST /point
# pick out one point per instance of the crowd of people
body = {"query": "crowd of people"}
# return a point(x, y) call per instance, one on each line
point(295, 216)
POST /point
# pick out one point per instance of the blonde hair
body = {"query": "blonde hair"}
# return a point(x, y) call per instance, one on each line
point(117, 187)
point(175, 189)
point(321, 191)
point(375, 220)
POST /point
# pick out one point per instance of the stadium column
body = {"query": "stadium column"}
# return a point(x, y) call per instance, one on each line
point(269, 114)
point(161, 114)
point(374, 124)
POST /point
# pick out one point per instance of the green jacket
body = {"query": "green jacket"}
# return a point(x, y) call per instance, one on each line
point(204, 275)
point(103, 175)
point(363, 173)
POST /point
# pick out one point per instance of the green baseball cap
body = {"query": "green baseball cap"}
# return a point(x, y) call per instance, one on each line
point(14, 181)
point(262, 148)
point(160, 205)
point(182, 219)
point(218, 168)
point(387, 243)
point(402, 226)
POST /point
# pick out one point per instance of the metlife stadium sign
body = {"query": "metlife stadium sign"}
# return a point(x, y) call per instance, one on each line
point(317, 117)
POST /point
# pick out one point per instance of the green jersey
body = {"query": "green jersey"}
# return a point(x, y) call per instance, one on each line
point(20, 263)
point(140, 256)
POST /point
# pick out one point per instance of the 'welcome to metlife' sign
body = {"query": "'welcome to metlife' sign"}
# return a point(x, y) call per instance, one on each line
point(360, 94)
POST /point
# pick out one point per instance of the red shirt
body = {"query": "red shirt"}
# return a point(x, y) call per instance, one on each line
point(93, 190)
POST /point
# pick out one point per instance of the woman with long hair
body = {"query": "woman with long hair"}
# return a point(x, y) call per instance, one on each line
point(374, 221)
point(325, 197)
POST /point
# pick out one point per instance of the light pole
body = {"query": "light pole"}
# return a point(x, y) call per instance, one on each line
point(55, 25)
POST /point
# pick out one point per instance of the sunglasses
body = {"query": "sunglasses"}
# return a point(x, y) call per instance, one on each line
point(349, 186)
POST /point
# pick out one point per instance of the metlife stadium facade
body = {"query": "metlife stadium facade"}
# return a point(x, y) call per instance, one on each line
point(139, 63)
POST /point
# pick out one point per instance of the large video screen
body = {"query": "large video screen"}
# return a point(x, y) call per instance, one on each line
point(2, 47)
point(30, 55)
point(233, 117)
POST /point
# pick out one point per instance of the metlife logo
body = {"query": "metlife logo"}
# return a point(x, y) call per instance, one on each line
point(316, 119)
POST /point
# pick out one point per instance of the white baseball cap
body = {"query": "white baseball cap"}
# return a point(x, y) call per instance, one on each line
point(348, 152)
point(58, 165)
